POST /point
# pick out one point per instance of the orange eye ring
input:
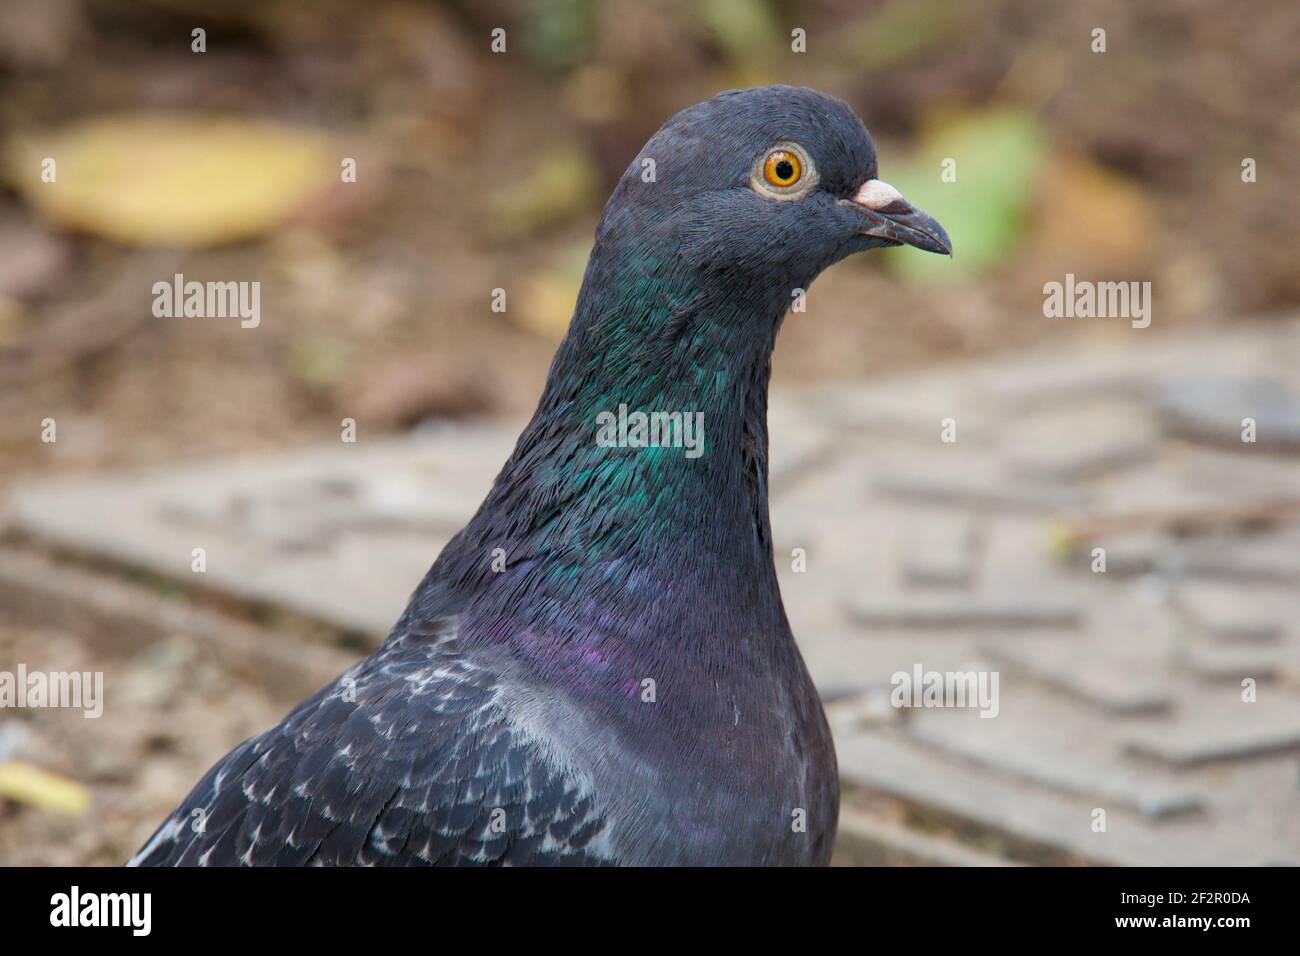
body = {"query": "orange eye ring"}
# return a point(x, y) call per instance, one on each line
point(782, 168)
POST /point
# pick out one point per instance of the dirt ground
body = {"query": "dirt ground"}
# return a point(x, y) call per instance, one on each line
point(174, 713)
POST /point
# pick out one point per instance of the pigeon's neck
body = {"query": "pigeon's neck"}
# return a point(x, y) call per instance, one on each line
point(641, 481)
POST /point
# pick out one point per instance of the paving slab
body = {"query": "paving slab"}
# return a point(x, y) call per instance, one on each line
point(865, 841)
point(1231, 737)
point(1045, 762)
point(343, 533)
point(1082, 440)
point(1216, 662)
point(1115, 684)
point(1135, 553)
point(1005, 806)
point(1214, 412)
point(1221, 615)
point(940, 551)
point(929, 611)
point(1254, 559)
point(977, 486)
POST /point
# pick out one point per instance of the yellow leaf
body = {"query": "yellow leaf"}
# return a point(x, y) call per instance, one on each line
point(170, 179)
point(1062, 539)
point(35, 787)
point(1094, 221)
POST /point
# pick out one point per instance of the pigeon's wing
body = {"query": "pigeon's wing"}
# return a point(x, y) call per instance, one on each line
point(407, 759)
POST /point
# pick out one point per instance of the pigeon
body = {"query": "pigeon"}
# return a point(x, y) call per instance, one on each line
point(598, 669)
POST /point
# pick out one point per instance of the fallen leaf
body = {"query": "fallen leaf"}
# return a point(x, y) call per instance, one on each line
point(1092, 221)
point(996, 156)
point(172, 179)
point(24, 783)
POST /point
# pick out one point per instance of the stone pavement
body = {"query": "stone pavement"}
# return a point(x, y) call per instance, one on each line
point(1119, 691)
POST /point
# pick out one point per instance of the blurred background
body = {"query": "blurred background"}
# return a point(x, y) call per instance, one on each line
point(478, 170)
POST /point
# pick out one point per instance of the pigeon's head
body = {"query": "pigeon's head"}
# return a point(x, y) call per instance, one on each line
point(775, 182)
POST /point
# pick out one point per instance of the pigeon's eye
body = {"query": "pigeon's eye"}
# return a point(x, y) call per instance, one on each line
point(784, 172)
point(782, 168)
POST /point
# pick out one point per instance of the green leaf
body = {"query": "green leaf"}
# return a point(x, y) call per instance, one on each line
point(996, 156)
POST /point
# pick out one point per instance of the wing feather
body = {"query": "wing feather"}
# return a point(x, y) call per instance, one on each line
point(409, 758)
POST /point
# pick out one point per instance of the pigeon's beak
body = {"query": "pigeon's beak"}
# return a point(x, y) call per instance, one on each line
point(890, 216)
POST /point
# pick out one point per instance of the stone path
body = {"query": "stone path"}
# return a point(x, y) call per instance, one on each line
point(1119, 691)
